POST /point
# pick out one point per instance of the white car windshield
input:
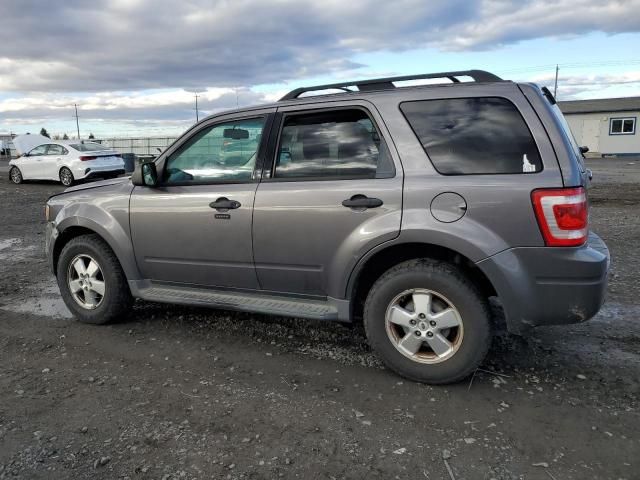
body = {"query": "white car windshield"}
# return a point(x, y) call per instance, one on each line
point(89, 147)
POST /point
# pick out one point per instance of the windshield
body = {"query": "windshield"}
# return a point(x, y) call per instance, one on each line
point(89, 147)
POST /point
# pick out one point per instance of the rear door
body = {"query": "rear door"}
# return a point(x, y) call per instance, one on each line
point(51, 161)
point(195, 228)
point(331, 190)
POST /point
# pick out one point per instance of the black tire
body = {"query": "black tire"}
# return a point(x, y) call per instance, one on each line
point(449, 281)
point(117, 299)
point(15, 175)
point(66, 177)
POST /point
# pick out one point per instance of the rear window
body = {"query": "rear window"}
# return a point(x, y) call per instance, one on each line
point(89, 147)
point(471, 136)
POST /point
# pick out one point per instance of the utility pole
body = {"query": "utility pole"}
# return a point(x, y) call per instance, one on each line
point(77, 123)
point(196, 96)
point(555, 87)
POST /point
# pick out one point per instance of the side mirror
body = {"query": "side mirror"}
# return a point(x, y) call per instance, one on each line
point(145, 175)
point(584, 150)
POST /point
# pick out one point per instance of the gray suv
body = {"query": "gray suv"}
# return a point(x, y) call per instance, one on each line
point(404, 207)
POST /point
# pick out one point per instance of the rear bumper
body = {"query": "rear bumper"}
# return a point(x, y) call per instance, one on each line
point(549, 285)
point(101, 172)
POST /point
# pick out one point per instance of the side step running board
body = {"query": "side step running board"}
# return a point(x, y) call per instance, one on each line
point(248, 302)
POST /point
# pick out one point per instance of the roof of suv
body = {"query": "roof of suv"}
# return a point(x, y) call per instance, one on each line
point(376, 85)
point(388, 83)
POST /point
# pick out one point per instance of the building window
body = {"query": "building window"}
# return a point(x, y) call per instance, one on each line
point(622, 126)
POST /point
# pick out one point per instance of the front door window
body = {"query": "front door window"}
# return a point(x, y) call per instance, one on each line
point(223, 153)
point(38, 151)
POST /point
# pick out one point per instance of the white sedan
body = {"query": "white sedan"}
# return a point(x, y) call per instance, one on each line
point(65, 161)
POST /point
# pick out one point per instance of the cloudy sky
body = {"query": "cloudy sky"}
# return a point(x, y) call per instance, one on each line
point(132, 65)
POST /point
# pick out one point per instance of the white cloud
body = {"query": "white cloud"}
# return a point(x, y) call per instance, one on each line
point(138, 61)
point(148, 44)
point(504, 22)
point(168, 110)
point(576, 86)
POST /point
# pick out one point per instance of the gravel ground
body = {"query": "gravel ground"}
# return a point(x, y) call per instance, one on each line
point(181, 393)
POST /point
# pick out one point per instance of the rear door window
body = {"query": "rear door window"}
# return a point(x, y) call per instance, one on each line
point(470, 136)
point(335, 144)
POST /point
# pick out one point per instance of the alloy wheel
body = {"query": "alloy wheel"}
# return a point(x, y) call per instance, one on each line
point(86, 282)
point(66, 177)
point(15, 175)
point(424, 326)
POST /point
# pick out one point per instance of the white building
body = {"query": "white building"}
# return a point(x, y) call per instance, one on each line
point(608, 126)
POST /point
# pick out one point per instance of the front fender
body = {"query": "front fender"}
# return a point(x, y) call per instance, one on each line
point(107, 215)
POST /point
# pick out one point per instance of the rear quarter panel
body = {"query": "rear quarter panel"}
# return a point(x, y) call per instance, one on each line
point(499, 211)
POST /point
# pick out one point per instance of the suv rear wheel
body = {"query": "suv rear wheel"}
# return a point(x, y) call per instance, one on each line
point(428, 322)
point(91, 281)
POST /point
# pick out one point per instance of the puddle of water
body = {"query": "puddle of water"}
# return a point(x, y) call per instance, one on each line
point(8, 242)
point(41, 299)
point(45, 307)
point(618, 317)
point(6, 245)
point(12, 249)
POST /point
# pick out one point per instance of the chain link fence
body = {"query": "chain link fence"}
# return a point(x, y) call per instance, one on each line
point(140, 146)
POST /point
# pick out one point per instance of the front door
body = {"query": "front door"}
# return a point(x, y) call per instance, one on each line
point(333, 192)
point(31, 164)
point(195, 228)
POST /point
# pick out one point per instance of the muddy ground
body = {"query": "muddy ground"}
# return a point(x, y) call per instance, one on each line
point(181, 393)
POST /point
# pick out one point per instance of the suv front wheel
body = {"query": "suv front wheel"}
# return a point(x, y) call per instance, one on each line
point(91, 281)
point(428, 322)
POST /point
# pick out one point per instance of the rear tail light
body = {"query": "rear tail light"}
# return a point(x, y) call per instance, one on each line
point(84, 158)
point(562, 215)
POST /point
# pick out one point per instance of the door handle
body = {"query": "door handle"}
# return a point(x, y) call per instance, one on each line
point(362, 202)
point(223, 203)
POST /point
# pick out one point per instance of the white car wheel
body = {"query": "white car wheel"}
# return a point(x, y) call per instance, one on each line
point(15, 175)
point(66, 177)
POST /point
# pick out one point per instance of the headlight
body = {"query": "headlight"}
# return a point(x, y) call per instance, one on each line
point(46, 212)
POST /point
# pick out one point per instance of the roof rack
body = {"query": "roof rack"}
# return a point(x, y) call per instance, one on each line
point(387, 83)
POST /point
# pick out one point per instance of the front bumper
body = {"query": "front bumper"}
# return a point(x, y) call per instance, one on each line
point(549, 285)
point(50, 237)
